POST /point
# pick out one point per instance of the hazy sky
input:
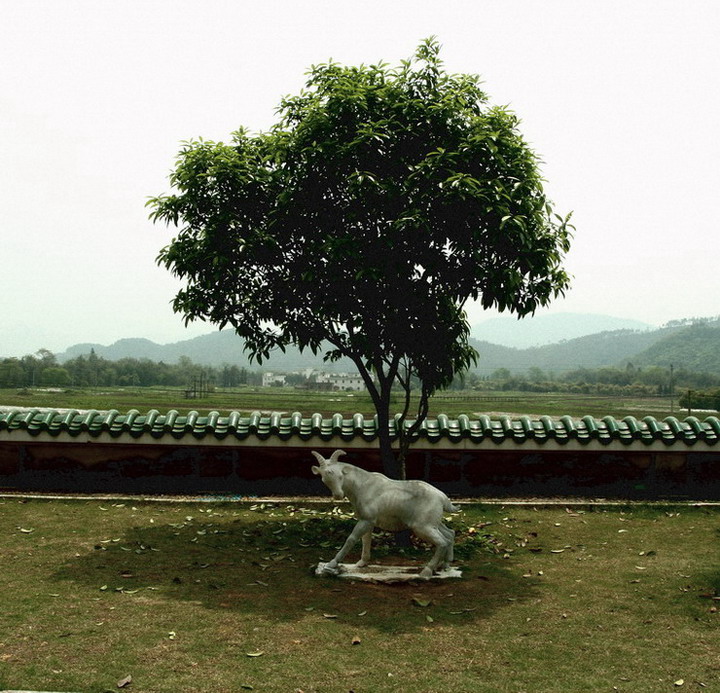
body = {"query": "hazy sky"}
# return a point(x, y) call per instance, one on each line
point(620, 100)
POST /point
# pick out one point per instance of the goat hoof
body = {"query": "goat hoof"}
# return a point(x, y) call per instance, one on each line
point(426, 573)
point(331, 570)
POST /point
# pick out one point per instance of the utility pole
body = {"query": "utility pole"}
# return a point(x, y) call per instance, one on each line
point(672, 390)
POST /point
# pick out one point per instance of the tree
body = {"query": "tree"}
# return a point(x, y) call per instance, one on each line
point(360, 225)
point(55, 376)
point(11, 373)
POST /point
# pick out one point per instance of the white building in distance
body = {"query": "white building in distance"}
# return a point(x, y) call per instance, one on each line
point(319, 380)
point(340, 381)
point(270, 379)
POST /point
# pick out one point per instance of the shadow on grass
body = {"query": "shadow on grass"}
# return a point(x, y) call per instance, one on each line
point(264, 568)
point(711, 580)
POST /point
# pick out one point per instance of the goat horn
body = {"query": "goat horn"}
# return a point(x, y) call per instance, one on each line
point(319, 457)
point(336, 454)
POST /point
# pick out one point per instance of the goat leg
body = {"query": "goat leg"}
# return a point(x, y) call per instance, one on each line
point(362, 528)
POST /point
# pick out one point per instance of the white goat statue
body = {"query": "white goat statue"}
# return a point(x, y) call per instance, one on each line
point(390, 505)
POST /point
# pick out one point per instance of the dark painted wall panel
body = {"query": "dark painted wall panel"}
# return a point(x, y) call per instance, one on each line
point(247, 471)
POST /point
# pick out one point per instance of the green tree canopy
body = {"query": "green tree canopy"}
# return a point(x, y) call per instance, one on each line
point(360, 225)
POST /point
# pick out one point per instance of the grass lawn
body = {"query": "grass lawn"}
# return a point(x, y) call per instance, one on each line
point(220, 597)
point(288, 400)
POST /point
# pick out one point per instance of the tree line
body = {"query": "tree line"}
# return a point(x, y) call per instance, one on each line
point(631, 380)
point(42, 369)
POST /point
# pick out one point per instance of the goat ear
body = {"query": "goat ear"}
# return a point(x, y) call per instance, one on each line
point(315, 470)
point(336, 454)
point(319, 457)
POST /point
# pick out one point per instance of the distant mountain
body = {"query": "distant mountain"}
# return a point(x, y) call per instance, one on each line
point(591, 351)
point(218, 348)
point(131, 347)
point(214, 349)
point(549, 329)
point(695, 347)
point(683, 344)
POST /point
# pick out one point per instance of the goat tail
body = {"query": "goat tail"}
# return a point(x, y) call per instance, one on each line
point(448, 507)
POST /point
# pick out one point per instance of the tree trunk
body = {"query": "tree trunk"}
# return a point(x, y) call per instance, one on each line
point(387, 455)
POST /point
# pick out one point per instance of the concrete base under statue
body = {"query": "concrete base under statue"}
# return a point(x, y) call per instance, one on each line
point(386, 573)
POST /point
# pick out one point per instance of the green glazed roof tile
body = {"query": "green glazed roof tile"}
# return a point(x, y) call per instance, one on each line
point(172, 425)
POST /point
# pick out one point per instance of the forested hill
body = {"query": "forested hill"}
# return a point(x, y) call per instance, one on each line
point(691, 346)
point(593, 351)
point(540, 330)
point(696, 348)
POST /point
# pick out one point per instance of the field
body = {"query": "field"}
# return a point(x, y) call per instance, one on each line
point(308, 402)
point(167, 597)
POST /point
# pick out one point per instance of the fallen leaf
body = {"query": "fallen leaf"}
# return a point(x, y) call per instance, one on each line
point(330, 615)
point(26, 531)
point(356, 640)
point(421, 602)
point(362, 613)
point(122, 683)
point(679, 682)
point(429, 619)
point(257, 653)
